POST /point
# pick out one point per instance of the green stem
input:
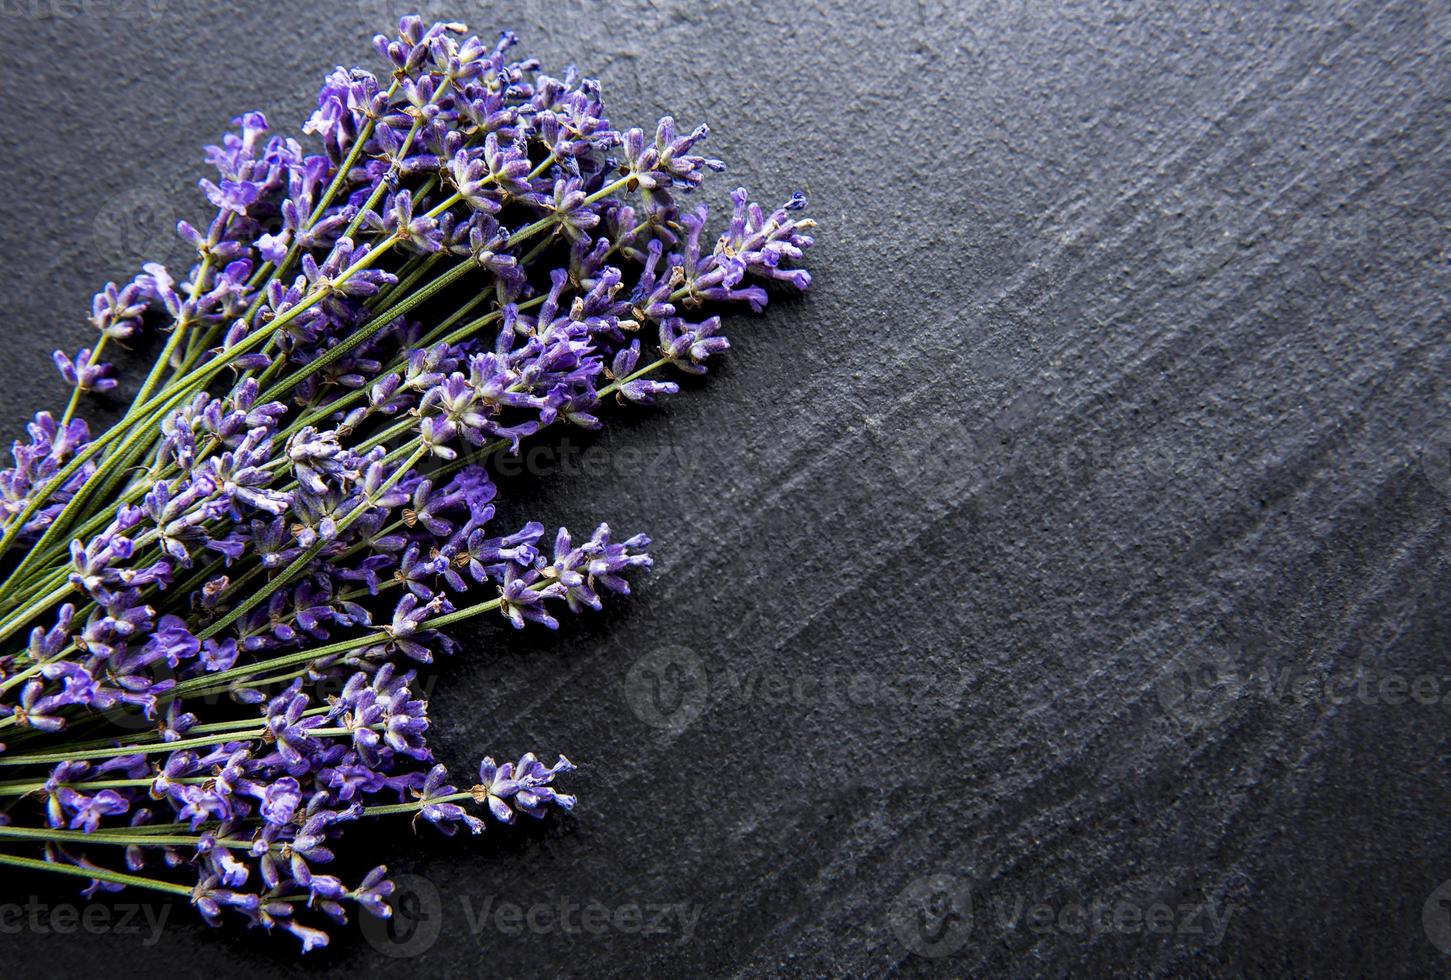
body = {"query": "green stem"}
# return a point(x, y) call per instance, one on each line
point(26, 788)
point(248, 735)
point(150, 840)
point(195, 685)
point(177, 332)
point(99, 874)
point(19, 619)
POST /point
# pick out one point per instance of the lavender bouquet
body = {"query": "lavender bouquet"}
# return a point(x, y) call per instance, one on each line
point(297, 500)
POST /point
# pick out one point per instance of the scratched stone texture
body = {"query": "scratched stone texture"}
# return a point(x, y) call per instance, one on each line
point(1058, 588)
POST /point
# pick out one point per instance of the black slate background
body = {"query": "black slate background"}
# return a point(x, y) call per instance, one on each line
point(1122, 387)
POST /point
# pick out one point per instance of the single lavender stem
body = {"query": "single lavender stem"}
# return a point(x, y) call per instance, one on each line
point(154, 735)
point(207, 682)
point(26, 788)
point(151, 840)
point(246, 735)
point(177, 332)
point(148, 834)
point(98, 874)
point(75, 399)
point(392, 809)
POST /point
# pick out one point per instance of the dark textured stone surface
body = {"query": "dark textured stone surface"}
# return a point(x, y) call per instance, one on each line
point(1125, 366)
